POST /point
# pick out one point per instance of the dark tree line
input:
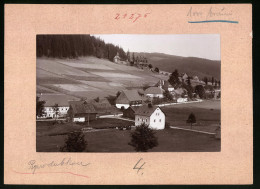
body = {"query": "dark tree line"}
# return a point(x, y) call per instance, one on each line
point(73, 46)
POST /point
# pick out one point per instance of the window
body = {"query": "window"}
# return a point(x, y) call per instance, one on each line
point(154, 120)
point(160, 120)
point(138, 119)
point(145, 120)
point(158, 114)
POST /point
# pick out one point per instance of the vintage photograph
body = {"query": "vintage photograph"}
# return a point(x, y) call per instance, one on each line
point(128, 93)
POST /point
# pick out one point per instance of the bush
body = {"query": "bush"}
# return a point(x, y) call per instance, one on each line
point(143, 138)
point(167, 125)
point(156, 70)
point(191, 119)
point(75, 142)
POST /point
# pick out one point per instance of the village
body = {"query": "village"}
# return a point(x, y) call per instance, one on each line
point(131, 108)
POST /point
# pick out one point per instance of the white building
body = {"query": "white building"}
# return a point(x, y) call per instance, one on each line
point(181, 100)
point(150, 115)
point(154, 92)
point(117, 58)
point(50, 112)
point(51, 100)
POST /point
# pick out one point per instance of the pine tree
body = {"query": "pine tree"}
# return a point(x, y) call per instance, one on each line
point(191, 119)
point(143, 138)
point(174, 78)
point(75, 142)
point(39, 107)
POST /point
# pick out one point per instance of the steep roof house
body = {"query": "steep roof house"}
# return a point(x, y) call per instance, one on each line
point(165, 85)
point(150, 115)
point(130, 112)
point(81, 111)
point(154, 92)
point(103, 106)
point(51, 100)
point(128, 98)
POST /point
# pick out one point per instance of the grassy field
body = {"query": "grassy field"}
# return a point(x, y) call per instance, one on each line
point(79, 77)
point(112, 140)
point(207, 115)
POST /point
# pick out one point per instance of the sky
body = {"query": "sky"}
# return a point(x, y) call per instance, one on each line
point(187, 45)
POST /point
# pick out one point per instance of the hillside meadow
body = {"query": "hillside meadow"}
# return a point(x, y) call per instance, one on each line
point(89, 77)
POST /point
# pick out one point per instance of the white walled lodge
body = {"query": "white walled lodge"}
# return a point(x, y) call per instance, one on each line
point(49, 112)
point(155, 118)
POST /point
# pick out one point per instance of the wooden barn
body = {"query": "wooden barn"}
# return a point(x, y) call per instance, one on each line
point(130, 112)
point(128, 98)
point(81, 111)
point(103, 106)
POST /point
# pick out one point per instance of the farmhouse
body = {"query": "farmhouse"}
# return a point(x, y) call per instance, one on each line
point(154, 92)
point(150, 115)
point(51, 100)
point(179, 92)
point(103, 106)
point(165, 85)
point(128, 98)
point(130, 112)
point(81, 111)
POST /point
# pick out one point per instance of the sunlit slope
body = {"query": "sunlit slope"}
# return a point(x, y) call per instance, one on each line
point(89, 77)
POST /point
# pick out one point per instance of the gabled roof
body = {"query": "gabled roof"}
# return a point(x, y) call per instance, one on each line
point(154, 90)
point(82, 107)
point(179, 91)
point(101, 101)
point(132, 95)
point(146, 110)
point(140, 91)
point(165, 84)
point(134, 108)
point(60, 99)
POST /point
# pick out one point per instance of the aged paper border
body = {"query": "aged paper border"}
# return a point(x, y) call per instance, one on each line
point(233, 165)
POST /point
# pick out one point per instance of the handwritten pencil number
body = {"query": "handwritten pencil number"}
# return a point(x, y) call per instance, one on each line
point(139, 165)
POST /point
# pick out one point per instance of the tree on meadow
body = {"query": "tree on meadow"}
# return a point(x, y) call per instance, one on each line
point(174, 78)
point(191, 119)
point(75, 142)
point(39, 107)
point(143, 138)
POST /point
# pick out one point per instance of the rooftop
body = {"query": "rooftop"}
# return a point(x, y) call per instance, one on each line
point(146, 110)
point(132, 95)
point(60, 99)
point(82, 107)
point(154, 90)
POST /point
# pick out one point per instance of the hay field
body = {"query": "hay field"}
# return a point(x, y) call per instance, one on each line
point(89, 77)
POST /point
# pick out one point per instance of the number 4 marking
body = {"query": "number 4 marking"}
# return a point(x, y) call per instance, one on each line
point(139, 168)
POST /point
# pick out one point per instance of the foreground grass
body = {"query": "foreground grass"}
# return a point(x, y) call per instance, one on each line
point(50, 128)
point(207, 115)
point(50, 137)
point(112, 140)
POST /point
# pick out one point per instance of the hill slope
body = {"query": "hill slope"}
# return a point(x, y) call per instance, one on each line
point(190, 65)
point(89, 77)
